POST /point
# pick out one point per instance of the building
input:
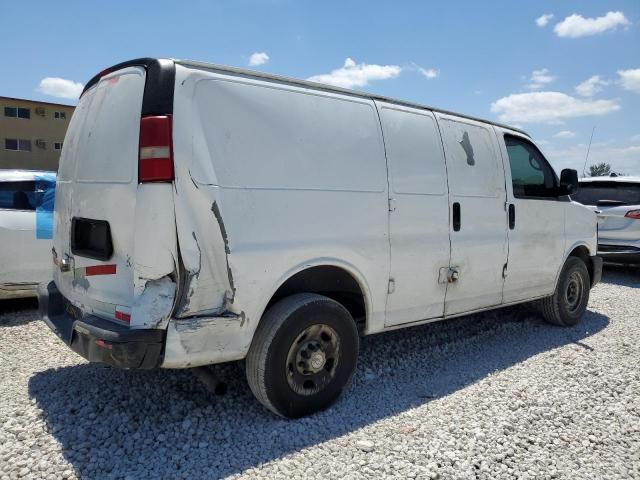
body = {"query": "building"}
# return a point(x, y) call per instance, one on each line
point(31, 133)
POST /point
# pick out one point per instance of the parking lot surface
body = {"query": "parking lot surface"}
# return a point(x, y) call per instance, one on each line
point(495, 395)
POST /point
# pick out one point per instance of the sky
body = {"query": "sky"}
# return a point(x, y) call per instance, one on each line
point(559, 70)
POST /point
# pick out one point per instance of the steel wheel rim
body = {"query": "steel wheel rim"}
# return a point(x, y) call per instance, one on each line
point(574, 292)
point(312, 360)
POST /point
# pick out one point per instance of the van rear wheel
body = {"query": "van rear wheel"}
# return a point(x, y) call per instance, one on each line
point(569, 302)
point(303, 355)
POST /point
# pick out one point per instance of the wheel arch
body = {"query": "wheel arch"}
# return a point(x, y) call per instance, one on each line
point(580, 250)
point(333, 278)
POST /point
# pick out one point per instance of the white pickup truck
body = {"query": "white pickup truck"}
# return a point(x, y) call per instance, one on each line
point(206, 214)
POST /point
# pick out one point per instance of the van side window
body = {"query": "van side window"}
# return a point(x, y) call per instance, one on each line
point(18, 196)
point(531, 174)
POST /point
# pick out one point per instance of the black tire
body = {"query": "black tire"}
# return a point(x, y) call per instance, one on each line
point(282, 334)
point(566, 306)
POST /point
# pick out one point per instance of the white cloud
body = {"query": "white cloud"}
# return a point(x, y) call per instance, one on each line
point(591, 86)
point(429, 73)
point(630, 79)
point(623, 158)
point(258, 58)
point(544, 19)
point(61, 88)
point(565, 134)
point(353, 74)
point(540, 78)
point(548, 107)
point(575, 26)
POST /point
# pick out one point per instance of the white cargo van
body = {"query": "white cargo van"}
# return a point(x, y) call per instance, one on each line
point(206, 214)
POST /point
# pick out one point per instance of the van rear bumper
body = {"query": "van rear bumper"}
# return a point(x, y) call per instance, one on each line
point(97, 339)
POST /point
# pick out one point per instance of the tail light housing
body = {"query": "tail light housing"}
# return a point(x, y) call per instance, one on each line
point(155, 157)
point(635, 214)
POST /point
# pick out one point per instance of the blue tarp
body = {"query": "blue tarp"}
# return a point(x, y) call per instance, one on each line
point(46, 189)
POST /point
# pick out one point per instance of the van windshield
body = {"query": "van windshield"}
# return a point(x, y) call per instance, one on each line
point(614, 193)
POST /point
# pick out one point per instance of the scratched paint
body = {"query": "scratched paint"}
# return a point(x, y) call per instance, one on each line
point(153, 307)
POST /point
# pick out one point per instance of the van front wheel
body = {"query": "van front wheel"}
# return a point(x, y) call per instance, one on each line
point(569, 302)
point(303, 355)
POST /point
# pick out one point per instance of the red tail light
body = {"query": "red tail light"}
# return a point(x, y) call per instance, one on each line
point(633, 214)
point(155, 158)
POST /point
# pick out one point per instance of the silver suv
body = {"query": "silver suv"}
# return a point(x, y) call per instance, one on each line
point(616, 201)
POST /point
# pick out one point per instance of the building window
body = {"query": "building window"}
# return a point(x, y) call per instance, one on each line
point(60, 115)
point(17, 144)
point(15, 112)
point(57, 145)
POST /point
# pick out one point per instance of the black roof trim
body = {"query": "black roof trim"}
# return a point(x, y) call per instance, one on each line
point(159, 85)
point(142, 62)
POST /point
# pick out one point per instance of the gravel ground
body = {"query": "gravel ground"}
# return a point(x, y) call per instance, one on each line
point(497, 395)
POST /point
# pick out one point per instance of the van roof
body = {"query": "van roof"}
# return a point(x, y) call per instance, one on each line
point(331, 88)
point(282, 79)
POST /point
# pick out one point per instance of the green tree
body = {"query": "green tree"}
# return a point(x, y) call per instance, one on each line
point(599, 170)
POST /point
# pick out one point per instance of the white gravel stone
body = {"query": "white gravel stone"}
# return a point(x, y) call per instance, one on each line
point(499, 395)
point(365, 445)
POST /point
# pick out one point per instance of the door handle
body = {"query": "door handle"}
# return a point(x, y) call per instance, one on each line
point(512, 216)
point(456, 217)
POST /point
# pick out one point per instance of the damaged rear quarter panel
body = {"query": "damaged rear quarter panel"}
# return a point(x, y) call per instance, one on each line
point(237, 241)
point(154, 256)
point(207, 285)
point(196, 341)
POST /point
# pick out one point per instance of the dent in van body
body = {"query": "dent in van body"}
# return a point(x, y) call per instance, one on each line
point(154, 258)
point(242, 226)
point(152, 308)
point(197, 341)
point(207, 288)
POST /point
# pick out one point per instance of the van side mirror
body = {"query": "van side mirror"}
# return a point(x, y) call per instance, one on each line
point(568, 182)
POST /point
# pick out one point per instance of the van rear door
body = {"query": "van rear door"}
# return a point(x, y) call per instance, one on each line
point(101, 207)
